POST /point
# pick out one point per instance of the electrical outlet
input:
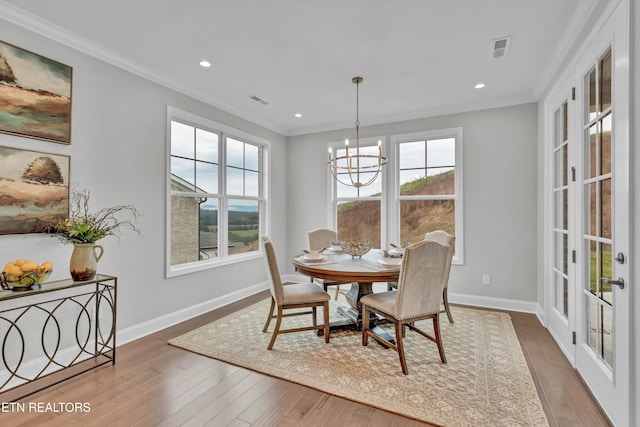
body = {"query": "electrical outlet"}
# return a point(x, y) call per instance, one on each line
point(486, 279)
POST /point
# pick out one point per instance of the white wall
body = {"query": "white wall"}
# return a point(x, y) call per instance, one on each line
point(499, 195)
point(118, 152)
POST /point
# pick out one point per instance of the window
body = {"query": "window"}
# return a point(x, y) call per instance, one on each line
point(423, 183)
point(359, 210)
point(216, 187)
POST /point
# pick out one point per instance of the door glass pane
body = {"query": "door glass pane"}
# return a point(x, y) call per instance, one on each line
point(605, 215)
point(605, 85)
point(359, 220)
point(591, 223)
point(606, 271)
point(594, 276)
point(592, 324)
point(565, 122)
point(559, 250)
point(605, 145)
point(592, 157)
point(607, 335)
point(565, 296)
point(244, 226)
point(592, 105)
point(562, 295)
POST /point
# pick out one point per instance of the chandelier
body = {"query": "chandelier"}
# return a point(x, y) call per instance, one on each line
point(353, 167)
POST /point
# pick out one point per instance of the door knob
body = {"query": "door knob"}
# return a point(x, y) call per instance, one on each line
point(619, 282)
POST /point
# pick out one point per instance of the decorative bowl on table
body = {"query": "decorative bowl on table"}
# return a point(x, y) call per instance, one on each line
point(23, 275)
point(356, 247)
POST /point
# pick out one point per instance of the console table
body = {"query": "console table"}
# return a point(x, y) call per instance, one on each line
point(60, 330)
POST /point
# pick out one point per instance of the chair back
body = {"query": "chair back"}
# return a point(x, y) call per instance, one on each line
point(273, 272)
point(421, 281)
point(447, 239)
point(320, 238)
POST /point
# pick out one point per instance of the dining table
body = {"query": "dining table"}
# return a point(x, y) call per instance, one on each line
point(361, 272)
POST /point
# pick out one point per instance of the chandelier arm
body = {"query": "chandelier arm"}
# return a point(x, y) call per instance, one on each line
point(362, 163)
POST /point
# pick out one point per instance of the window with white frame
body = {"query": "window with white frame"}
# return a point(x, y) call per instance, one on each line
point(423, 183)
point(216, 182)
point(358, 211)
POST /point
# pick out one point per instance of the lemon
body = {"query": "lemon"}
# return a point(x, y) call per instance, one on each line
point(29, 266)
point(15, 271)
point(8, 266)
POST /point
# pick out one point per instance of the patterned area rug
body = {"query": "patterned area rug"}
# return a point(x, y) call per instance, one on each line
point(486, 381)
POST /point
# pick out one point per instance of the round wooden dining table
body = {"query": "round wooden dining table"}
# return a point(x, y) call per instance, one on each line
point(360, 272)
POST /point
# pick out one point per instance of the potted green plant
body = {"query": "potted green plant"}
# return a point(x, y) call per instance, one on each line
point(83, 229)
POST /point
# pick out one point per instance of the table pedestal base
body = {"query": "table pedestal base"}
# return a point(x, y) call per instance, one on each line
point(354, 322)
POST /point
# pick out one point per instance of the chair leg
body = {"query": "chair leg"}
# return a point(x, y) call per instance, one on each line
point(266, 325)
point(276, 330)
point(337, 291)
point(445, 298)
point(436, 332)
point(326, 321)
point(314, 314)
point(400, 347)
point(365, 325)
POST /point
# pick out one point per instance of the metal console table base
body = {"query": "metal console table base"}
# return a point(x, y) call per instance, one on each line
point(29, 367)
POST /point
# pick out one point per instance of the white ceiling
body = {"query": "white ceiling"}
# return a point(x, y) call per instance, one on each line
point(418, 57)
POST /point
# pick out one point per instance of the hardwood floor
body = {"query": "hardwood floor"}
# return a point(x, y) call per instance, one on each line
point(154, 384)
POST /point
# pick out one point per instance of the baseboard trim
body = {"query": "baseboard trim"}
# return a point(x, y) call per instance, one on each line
point(472, 300)
point(154, 325)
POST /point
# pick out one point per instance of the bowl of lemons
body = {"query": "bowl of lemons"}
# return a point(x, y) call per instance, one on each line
point(23, 274)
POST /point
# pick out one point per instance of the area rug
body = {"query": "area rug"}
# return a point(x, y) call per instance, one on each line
point(486, 381)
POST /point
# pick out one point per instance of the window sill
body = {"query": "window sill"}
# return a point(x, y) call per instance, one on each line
point(194, 267)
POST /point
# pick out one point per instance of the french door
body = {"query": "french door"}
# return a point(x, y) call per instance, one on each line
point(602, 239)
point(588, 301)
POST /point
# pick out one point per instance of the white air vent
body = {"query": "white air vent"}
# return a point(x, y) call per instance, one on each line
point(260, 100)
point(500, 47)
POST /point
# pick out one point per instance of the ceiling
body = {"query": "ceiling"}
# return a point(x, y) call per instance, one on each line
point(418, 58)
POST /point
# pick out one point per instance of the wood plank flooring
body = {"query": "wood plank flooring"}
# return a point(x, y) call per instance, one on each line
point(154, 384)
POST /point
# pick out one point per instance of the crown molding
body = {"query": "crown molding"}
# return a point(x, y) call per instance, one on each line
point(423, 114)
point(61, 35)
point(563, 46)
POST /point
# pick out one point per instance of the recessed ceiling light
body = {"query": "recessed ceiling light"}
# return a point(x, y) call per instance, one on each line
point(298, 115)
point(205, 64)
point(479, 86)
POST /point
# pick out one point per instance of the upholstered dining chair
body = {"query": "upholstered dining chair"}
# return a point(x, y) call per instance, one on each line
point(449, 240)
point(318, 239)
point(418, 298)
point(443, 238)
point(292, 296)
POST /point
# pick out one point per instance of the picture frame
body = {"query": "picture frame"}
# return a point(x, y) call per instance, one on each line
point(36, 94)
point(34, 190)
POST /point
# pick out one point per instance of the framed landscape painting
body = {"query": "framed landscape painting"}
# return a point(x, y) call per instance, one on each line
point(35, 95)
point(34, 190)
